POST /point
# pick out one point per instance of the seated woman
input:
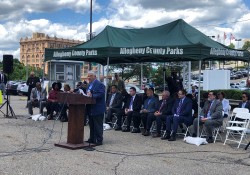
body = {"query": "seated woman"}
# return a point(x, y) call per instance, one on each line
point(53, 105)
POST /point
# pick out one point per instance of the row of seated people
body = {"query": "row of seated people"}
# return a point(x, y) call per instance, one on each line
point(38, 98)
point(171, 111)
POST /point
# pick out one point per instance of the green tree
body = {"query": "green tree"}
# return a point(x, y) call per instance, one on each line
point(231, 45)
point(20, 70)
point(128, 71)
point(246, 45)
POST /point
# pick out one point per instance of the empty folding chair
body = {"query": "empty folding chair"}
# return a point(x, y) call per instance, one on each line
point(240, 129)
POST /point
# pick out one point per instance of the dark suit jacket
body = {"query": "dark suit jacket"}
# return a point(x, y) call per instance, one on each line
point(137, 103)
point(215, 110)
point(31, 82)
point(186, 108)
point(167, 107)
point(151, 104)
point(246, 106)
point(117, 102)
point(98, 93)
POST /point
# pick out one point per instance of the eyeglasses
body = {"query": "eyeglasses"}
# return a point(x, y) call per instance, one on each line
point(243, 96)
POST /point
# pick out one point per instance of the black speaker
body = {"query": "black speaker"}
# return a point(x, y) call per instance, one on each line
point(8, 64)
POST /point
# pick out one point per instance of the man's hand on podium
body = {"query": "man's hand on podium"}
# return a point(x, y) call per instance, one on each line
point(89, 94)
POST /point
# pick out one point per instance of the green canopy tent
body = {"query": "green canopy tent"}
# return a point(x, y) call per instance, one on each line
point(175, 41)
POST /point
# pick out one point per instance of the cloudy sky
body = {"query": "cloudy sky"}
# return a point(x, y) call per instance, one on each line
point(70, 18)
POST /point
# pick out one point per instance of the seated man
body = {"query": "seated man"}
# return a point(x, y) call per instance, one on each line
point(132, 110)
point(181, 113)
point(164, 109)
point(114, 105)
point(38, 98)
point(245, 101)
point(210, 116)
point(149, 107)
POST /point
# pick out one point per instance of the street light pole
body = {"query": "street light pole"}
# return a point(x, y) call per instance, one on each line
point(238, 40)
point(90, 28)
point(209, 62)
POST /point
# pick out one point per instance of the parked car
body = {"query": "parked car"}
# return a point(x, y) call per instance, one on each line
point(24, 89)
point(233, 76)
point(138, 91)
point(19, 87)
point(12, 87)
point(161, 88)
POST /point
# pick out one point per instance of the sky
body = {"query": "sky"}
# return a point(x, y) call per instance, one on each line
point(69, 19)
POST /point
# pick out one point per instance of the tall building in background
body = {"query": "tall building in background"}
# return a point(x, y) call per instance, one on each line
point(32, 49)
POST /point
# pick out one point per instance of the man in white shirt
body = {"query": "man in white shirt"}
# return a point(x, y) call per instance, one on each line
point(38, 98)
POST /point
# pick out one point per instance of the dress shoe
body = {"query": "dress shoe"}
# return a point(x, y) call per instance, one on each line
point(156, 135)
point(98, 143)
point(118, 128)
point(64, 119)
point(136, 130)
point(50, 117)
point(194, 135)
point(126, 130)
point(172, 138)
point(210, 140)
point(166, 136)
point(146, 133)
point(90, 141)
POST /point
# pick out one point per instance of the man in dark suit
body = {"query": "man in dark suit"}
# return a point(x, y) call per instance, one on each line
point(210, 116)
point(96, 90)
point(163, 110)
point(149, 108)
point(245, 103)
point(31, 82)
point(132, 110)
point(182, 113)
point(114, 105)
point(3, 81)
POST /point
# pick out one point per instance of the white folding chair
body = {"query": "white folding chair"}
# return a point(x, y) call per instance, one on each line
point(240, 129)
point(236, 110)
point(225, 120)
point(186, 128)
point(216, 133)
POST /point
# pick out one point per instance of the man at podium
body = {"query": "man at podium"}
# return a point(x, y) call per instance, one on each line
point(96, 111)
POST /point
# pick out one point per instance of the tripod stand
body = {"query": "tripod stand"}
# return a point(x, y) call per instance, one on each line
point(9, 111)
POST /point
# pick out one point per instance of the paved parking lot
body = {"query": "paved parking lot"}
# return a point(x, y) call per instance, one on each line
point(27, 148)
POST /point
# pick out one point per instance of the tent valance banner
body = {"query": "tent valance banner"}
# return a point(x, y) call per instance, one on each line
point(175, 41)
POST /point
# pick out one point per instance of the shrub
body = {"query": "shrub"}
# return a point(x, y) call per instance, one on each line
point(229, 93)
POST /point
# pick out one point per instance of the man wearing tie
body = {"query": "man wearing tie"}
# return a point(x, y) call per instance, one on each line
point(149, 108)
point(96, 90)
point(181, 113)
point(3, 81)
point(132, 110)
point(210, 116)
point(114, 105)
point(163, 110)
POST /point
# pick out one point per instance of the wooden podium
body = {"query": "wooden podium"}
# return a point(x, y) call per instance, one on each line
point(76, 102)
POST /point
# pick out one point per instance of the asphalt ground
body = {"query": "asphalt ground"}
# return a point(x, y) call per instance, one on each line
point(27, 148)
